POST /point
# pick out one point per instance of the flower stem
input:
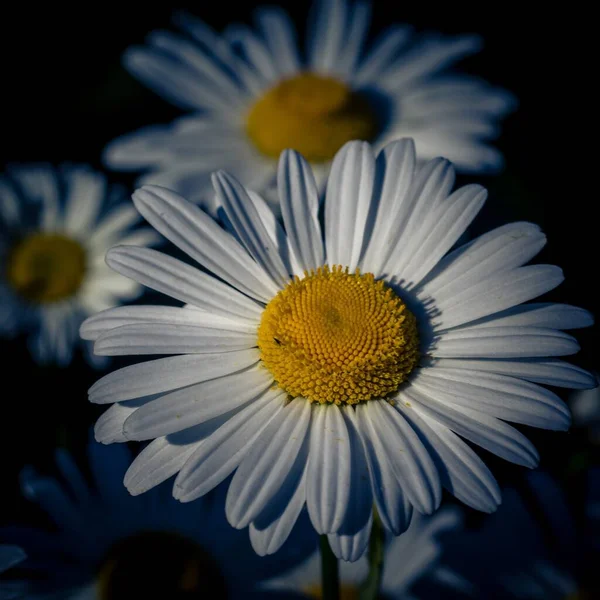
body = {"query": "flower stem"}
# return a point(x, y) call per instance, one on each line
point(329, 571)
point(369, 589)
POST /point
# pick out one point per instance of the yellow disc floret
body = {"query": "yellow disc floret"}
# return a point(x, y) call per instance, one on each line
point(46, 267)
point(313, 114)
point(339, 337)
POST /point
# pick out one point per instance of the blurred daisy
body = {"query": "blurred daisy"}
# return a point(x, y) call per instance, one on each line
point(313, 362)
point(108, 545)
point(9, 557)
point(585, 406)
point(56, 226)
point(531, 548)
point(408, 558)
point(251, 94)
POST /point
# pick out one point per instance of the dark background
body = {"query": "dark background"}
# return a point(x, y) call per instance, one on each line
point(65, 95)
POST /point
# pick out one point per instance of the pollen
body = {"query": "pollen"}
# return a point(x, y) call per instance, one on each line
point(313, 114)
point(46, 267)
point(338, 337)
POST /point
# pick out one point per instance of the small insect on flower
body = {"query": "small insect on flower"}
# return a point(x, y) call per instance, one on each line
point(315, 359)
point(251, 93)
point(57, 225)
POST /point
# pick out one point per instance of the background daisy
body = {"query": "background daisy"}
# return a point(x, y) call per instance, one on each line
point(414, 352)
point(251, 93)
point(56, 225)
point(108, 545)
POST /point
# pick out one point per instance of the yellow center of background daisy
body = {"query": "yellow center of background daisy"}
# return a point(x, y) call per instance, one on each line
point(339, 337)
point(313, 114)
point(157, 564)
point(347, 592)
point(46, 267)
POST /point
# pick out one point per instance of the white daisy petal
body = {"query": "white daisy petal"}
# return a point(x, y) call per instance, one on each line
point(195, 404)
point(502, 249)
point(299, 199)
point(10, 203)
point(329, 469)
point(80, 215)
point(165, 374)
point(111, 226)
point(267, 464)
point(197, 234)
point(93, 327)
point(462, 472)
point(481, 429)
point(268, 537)
point(180, 281)
point(349, 191)
point(249, 227)
point(503, 342)
point(504, 397)
point(327, 36)
point(551, 372)
point(393, 507)
point(409, 460)
point(166, 455)
point(280, 37)
point(498, 292)
point(223, 451)
point(109, 426)
point(438, 233)
point(360, 19)
point(169, 338)
point(351, 547)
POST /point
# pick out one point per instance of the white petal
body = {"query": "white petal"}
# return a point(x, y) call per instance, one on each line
point(498, 292)
point(408, 457)
point(350, 547)
point(95, 326)
point(502, 249)
point(195, 404)
point(299, 199)
point(326, 37)
point(181, 281)
point(280, 37)
point(268, 464)
point(357, 28)
point(109, 426)
point(394, 509)
point(199, 236)
point(504, 342)
point(500, 396)
point(221, 454)
point(85, 192)
point(110, 228)
point(462, 472)
point(165, 374)
point(347, 203)
point(249, 227)
point(329, 468)
point(395, 168)
point(551, 372)
point(481, 429)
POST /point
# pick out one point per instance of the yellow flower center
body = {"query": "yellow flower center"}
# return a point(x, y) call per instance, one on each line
point(339, 337)
point(347, 592)
point(46, 267)
point(158, 565)
point(313, 114)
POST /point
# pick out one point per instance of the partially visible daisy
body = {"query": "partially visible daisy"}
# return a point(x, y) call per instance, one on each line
point(108, 545)
point(414, 555)
point(251, 93)
point(55, 228)
point(585, 406)
point(338, 368)
point(9, 557)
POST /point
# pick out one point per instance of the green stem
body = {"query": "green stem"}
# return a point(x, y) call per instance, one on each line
point(329, 571)
point(369, 589)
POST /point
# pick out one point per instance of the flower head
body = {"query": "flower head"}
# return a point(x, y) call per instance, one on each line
point(309, 361)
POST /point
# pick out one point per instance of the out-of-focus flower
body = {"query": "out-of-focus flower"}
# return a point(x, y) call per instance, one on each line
point(585, 407)
point(414, 555)
point(55, 228)
point(9, 557)
point(251, 93)
point(315, 362)
point(108, 545)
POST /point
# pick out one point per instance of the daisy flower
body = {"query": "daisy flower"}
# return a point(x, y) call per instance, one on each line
point(585, 406)
point(9, 557)
point(408, 558)
point(251, 93)
point(316, 359)
point(56, 226)
point(108, 545)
